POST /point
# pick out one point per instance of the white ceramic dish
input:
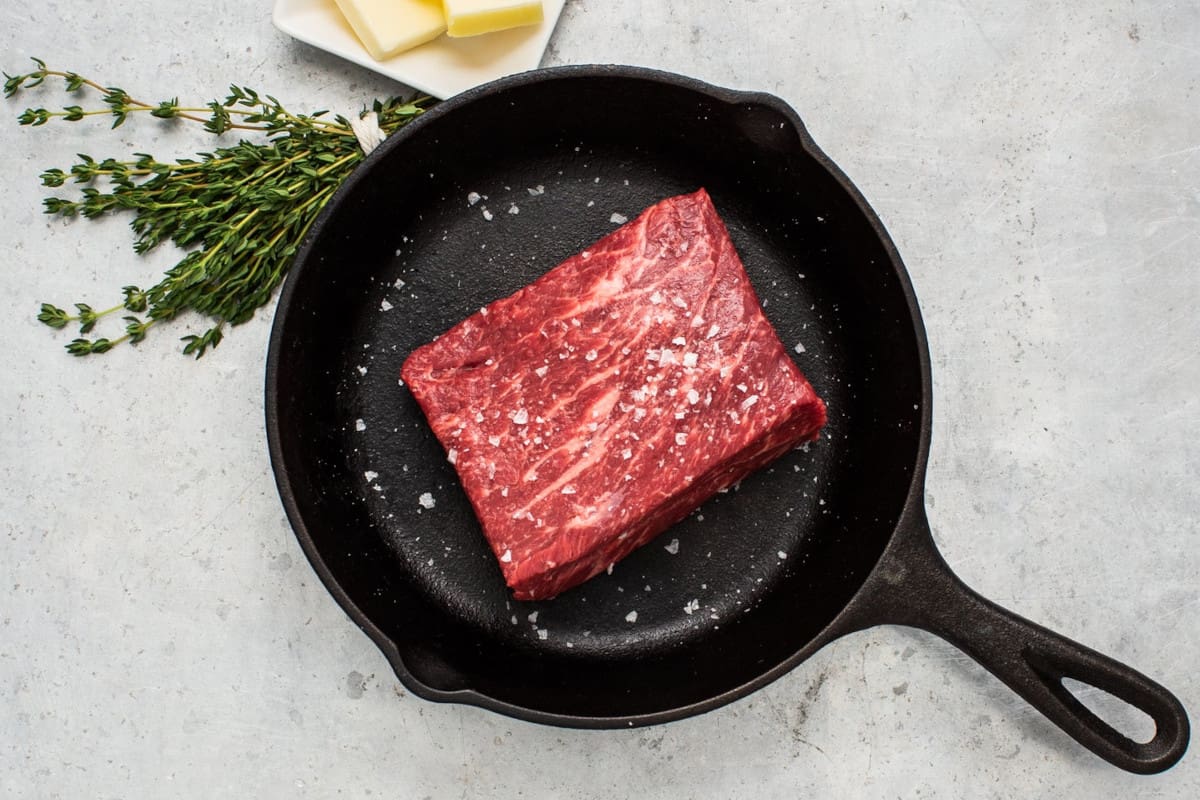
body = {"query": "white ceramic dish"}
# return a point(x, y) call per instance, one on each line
point(443, 67)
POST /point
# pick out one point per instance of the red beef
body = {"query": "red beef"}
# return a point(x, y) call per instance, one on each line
point(603, 402)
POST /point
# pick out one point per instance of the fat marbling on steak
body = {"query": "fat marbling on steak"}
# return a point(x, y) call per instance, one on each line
point(603, 402)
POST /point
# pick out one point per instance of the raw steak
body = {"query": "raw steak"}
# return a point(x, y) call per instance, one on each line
point(603, 402)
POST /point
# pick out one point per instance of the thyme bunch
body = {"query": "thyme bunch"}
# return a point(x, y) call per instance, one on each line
point(239, 212)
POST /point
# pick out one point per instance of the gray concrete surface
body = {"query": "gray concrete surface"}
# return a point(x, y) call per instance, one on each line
point(161, 634)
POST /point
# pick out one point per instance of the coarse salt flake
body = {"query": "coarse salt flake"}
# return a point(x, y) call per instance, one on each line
point(426, 500)
point(678, 302)
point(452, 456)
point(533, 618)
point(359, 425)
point(591, 355)
point(568, 490)
point(494, 441)
point(384, 305)
point(626, 454)
point(799, 348)
point(507, 557)
point(673, 547)
point(749, 401)
point(541, 371)
point(617, 219)
point(693, 396)
point(473, 198)
point(679, 340)
point(631, 616)
point(520, 417)
point(370, 475)
point(690, 359)
point(487, 215)
point(691, 607)
point(782, 555)
point(543, 633)
point(513, 209)
point(656, 298)
point(681, 438)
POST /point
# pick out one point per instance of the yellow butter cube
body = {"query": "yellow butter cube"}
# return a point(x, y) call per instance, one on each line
point(473, 17)
point(388, 27)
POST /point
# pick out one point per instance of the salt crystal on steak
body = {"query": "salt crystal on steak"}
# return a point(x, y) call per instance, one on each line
point(593, 487)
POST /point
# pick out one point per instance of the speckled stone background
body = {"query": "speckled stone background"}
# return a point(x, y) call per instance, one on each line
point(161, 634)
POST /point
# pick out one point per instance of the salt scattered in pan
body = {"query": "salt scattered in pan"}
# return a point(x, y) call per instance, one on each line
point(782, 555)
point(384, 305)
point(618, 219)
point(799, 348)
point(533, 618)
point(359, 425)
point(452, 456)
point(691, 607)
point(507, 557)
point(513, 209)
point(370, 475)
point(543, 633)
point(487, 215)
point(673, 547)
point(473, 198)
point(426, 500)
point(631, 616)
point(362, 370)
point(534, 192)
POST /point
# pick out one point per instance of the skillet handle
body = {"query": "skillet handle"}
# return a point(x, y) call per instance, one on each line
point(912, 585)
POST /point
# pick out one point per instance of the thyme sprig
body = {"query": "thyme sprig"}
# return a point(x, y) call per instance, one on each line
point(240, 212)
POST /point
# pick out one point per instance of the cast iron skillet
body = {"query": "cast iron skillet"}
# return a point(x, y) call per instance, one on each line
point(823, 543)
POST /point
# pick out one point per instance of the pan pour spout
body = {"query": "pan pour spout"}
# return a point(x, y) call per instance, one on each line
point(913, 586)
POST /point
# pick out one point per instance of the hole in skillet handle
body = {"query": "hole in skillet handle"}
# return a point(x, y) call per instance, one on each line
point(912, 585)
point(1130, 720)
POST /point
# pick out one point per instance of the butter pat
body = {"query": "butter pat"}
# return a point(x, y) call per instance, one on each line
point(388, 27)
point(473, 17)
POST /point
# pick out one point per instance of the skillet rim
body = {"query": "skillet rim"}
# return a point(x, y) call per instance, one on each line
point(913, 506)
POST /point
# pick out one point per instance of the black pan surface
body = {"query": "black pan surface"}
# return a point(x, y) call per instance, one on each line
point(479, 197)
